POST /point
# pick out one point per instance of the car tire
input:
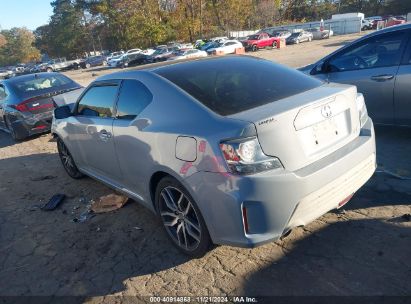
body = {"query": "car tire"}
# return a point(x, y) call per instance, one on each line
point(49, 70)
point(13, 133)
point(181, 218)
point(104, 63)
point(297, 41)
point(88, 65)
point(67, 160)
point(254, 48)
point(274, 45)
point(309, 39)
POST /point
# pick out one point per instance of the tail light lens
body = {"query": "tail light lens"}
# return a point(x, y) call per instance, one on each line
point(26, 107)
point(245, 156)
point(362, 109)
point(22, 106)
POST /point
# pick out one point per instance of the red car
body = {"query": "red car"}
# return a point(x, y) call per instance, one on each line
point(259, 41)
point(394, 21)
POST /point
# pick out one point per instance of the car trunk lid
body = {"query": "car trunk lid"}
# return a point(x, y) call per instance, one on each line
point(306, 127)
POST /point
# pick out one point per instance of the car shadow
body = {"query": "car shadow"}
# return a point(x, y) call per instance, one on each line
point(6, 140)
point(344, 258)
point(46, 253)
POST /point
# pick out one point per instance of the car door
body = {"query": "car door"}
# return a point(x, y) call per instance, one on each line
point(371, 65)
point(265, 41)
point(130, 138)
point(402, 90)
point(90, 131)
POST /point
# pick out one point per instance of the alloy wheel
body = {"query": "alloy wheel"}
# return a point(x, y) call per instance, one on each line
point(180, 218)
point(67, 160)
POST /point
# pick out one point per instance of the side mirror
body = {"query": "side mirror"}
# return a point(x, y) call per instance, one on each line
point(320, 68)
point(62, 112)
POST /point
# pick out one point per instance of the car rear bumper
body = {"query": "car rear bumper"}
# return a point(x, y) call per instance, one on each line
point(31, 125)
point(277, 201)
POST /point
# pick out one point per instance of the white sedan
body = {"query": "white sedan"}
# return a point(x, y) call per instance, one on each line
point(113, 62)
point(226, 47)
point(188, 54)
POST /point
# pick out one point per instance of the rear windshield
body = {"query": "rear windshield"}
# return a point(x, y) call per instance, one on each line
point(234, 84)
point(41, 82)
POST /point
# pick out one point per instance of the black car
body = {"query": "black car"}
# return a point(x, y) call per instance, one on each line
point(26, 103)
point(93, 61)
point(133, 60)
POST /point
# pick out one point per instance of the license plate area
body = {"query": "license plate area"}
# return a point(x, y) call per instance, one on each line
point(325, 133)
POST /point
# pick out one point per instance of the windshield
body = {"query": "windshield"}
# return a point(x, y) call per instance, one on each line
point(40, 82)
point(295, 34)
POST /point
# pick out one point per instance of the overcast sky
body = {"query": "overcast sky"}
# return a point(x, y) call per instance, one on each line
point(28, 13)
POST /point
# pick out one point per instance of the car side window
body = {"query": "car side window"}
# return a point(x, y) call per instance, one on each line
point(98, 101)
point(134, 97)
point(380, 51)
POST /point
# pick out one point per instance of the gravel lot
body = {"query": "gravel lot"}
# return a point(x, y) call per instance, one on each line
point(364, 249)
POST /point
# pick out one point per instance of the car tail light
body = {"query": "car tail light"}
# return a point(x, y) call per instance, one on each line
point(245, 156)
point(23, 106)
point(362, 109)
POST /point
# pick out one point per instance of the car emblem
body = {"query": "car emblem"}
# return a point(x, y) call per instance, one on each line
point(326, 111)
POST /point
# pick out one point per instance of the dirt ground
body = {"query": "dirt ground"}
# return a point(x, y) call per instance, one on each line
point(364, 249)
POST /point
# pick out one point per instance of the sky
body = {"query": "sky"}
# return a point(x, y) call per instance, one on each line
point(28, 13)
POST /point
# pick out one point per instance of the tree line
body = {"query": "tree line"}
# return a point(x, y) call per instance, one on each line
point(80, 26)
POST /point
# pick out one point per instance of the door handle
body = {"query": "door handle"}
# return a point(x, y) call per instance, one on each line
point(104, 135)
point(384, 77)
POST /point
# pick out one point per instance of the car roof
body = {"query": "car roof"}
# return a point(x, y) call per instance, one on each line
point(188, 63)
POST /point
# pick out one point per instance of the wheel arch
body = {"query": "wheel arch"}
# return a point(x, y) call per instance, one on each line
point(157, 176)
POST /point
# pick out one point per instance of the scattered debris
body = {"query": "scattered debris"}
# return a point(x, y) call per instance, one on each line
point(53, 202)
point(76, 207)
point(406, 217)
point(85, 216)
point(41, 178)
point(94, 74)
point(137, 228)
point(82, 200)
point(98, 229)
point(341, 211)
point(108, 203)
point(34, 207)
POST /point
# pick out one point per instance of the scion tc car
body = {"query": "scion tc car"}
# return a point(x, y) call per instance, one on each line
point(231, 150)
point(379, 64)
point(26, 103)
